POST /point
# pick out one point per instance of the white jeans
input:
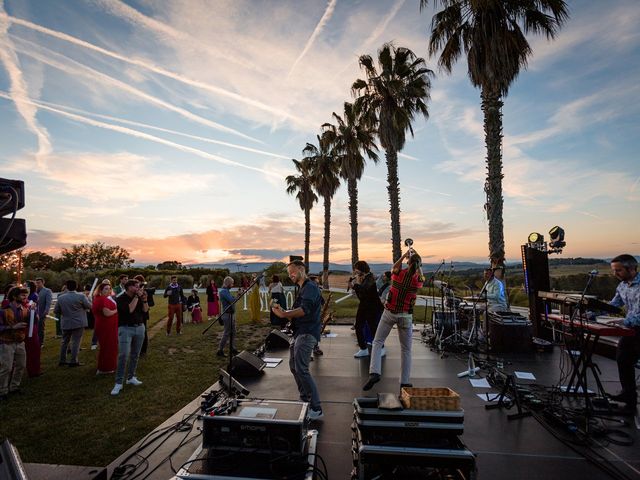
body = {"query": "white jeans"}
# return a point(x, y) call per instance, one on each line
point(404, 322)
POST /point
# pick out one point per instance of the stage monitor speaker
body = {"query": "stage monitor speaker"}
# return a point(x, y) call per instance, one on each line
point(12, 190)
point(16, 234)
point(246, 364)
point(276, 339)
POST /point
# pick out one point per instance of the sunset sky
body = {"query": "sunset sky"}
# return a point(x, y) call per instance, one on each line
point(168, 128)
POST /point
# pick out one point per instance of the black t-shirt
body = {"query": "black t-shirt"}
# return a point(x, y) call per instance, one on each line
point(126, 318)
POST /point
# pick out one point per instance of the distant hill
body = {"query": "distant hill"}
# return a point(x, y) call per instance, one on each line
point(336, 267)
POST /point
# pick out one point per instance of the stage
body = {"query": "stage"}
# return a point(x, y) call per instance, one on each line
point(505, 449)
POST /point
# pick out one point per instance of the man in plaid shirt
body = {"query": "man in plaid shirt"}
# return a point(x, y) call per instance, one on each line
point(398, 310)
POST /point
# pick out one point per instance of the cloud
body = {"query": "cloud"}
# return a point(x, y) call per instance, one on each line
point(146, 136)
point(96, 76)
point(100, 178)
point(151, 67)
point(19, 91)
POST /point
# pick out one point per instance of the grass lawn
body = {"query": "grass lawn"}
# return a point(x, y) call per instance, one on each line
point(67, 415)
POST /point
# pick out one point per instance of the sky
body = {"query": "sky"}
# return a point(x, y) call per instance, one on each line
point(168, 128)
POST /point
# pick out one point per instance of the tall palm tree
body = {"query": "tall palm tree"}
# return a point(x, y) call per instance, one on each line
point(351, 139)
point(325, 183)
point(391, 96)
point(302, 186)
point(492, 35)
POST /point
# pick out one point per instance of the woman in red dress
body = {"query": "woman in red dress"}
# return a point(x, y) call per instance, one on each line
point(32, 340)
point(213, 302)
point(105, 312)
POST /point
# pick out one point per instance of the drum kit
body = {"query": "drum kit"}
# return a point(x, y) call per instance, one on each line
point(456, 321)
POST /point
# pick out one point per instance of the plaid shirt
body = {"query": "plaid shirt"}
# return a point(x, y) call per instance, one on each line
point(402, 294)
point(628, 295)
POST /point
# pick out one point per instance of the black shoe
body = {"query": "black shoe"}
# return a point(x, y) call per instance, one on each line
point(373, 379)
point(4, 398)
point(318, 352)
point(406, 385)
point(75, 364)
point(62, 364)
point(17, 391)
point(234, 351)
point(220, 353)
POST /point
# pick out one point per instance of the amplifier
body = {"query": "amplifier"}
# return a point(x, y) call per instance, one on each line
point(263, 426)
point(510, 334)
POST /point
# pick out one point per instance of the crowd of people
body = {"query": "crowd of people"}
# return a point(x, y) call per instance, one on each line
point(118, 316)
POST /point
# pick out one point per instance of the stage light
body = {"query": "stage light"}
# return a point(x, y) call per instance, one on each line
point(557, 238)
point(536, 238)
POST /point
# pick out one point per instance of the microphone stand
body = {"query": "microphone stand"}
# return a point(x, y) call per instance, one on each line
point(214, 321)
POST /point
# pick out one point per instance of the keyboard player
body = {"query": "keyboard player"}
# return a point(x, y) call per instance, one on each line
point(625, 269)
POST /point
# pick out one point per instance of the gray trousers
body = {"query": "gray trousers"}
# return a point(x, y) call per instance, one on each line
point(299, 358)
point(404, 322)
point(73, 335)
point(229, 322)
point(13, 361)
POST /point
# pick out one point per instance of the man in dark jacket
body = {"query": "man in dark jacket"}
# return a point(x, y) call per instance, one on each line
point(71, 308)
point(175, 300)
point(305, 317)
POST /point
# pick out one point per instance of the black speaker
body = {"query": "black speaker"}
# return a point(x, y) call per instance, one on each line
point(276, 339)
point(12, 190)
point(246, 364)
point(16, 234)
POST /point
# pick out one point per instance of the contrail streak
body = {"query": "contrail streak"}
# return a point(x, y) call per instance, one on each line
point(160, 129)
point(145, 136)
point(319, 27)
point(153, 68)
point(19, 91)
point(96, 75)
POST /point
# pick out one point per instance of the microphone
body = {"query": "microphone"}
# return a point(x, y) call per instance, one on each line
point(593, 273)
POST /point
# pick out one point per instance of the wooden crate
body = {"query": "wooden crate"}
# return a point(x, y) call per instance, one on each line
point(434, 398)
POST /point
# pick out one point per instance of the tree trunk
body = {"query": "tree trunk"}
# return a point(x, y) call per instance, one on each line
point(327, 234)
point(352, 186)
point(307, 237)
point(492, 109)
point(394, 201)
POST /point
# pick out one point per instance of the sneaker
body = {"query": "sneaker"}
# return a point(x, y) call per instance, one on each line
point(384, 352)
point(317, 351)
point(94, 347)
point(361, 353)
point(373, 379)
point(315, 414)
point(220, 353)
point(116, 389)
point(134, 381)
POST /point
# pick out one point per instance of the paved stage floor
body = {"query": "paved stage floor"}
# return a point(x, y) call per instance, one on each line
point(505, 449)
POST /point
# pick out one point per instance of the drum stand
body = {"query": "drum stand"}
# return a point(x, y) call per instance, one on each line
point(455, 338)
point(476, 326)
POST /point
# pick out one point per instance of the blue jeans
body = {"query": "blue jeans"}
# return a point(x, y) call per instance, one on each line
point(129, 344)
point(299, 359)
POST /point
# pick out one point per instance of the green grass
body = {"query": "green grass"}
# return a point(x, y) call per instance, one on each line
point(67, 416)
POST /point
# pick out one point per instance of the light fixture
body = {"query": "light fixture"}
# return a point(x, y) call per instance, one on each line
point(557, 238)
point(536, 238)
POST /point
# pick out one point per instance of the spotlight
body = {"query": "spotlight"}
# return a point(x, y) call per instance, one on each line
point(557, 238)
point(536, 238)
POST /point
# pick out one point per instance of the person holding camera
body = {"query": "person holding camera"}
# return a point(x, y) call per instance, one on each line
point(398, 311)
point(369, 309)
point(132, 306)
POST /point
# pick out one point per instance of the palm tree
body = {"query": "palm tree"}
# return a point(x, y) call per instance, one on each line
point(492, 35)
point(325, 183)
point(351, 140)
point(390, 98)
point(302, 186)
